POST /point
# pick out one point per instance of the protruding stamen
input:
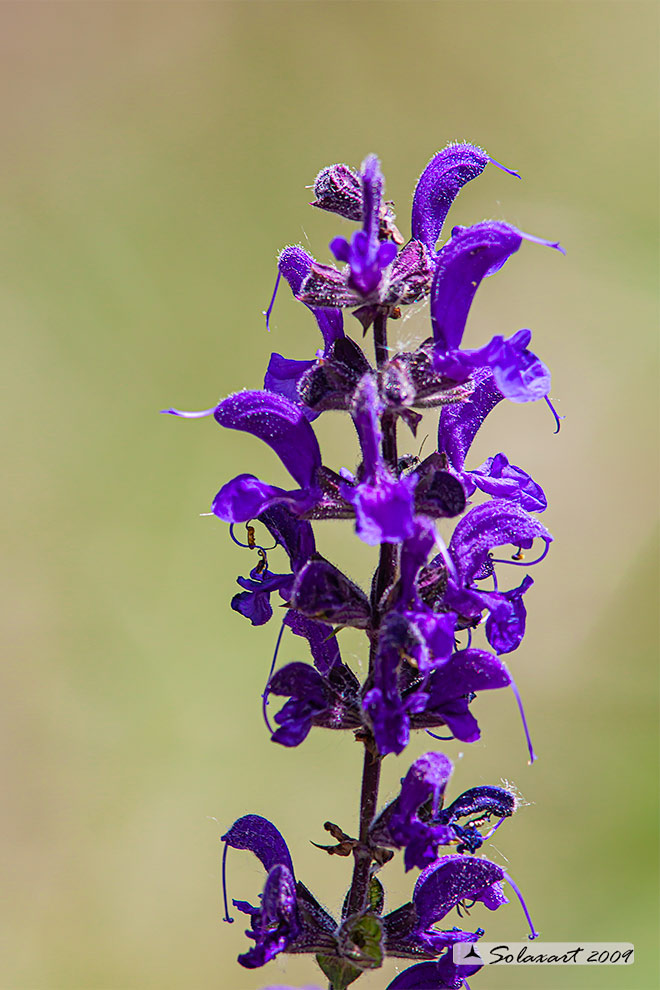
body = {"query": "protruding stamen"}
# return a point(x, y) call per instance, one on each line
point(442, 738)
point(554, 412)
point(534, 934)
point(504, 168)
point(516, 693)
point(264, 696)
point(267, 312)
point(224, 886)
point(494, 829)
point(189, 415)
point(523, 563)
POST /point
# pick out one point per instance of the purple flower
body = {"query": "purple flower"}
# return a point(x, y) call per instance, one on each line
point(283, 426)
point(254, 601)
point(284, 374)
point(492, 524)
point(366, 255)
point(441, 887)
point(296, 537)
point(384, 504)
point(471, 254)
point(400, 826)
point(328, 696)
point(415, 820)
point(331, 701)
point(451, 688)
point(439, 184)
point(289, 919)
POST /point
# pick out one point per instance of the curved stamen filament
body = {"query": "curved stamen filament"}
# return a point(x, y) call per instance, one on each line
point(264, 696)
point(224, 885)
point(442, 738)
point(516, 693)
point(267, 312)
point(523, 563)
point(534, 934)
point(493, 829)
point(554, 412)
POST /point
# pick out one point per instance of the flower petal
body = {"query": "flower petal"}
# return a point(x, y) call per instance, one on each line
point(490, 525)
point(295, 264)
point(278, 422)
point(442, 975)
point(262, 838)
point(320, 636)
point(245, 497)
point(439, 184)
point(460, 421)
point(463, 262)
point(453, 879)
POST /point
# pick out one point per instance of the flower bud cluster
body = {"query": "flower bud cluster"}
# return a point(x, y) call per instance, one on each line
point(427, 599)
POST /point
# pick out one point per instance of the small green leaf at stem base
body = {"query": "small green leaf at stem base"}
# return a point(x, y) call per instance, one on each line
point(340, 972)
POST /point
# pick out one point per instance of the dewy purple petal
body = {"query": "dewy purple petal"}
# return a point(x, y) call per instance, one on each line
point(262, 838)
point(279, 423)
point(463, 262)
point(439, 184)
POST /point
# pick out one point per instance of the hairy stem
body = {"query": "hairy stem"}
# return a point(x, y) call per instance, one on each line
point(383, 579)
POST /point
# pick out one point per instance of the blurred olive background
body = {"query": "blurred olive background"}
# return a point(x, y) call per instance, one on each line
point(155, 158)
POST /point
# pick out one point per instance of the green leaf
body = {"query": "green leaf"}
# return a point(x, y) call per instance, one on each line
point(366, 935)
point(376, 896)
point(340, 972)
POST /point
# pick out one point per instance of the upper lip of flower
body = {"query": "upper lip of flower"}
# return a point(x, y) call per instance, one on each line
point(289, 915)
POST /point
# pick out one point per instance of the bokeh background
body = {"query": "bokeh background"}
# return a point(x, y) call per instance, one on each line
point(155, 157)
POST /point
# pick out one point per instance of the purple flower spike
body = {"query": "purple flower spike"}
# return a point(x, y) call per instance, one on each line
point(438, 186)
point(279, 423)
point(428, 595)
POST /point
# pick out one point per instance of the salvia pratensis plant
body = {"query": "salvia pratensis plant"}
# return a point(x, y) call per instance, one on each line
point(427, 597)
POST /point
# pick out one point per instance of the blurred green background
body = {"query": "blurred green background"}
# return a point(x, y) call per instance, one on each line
point(155, 158)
